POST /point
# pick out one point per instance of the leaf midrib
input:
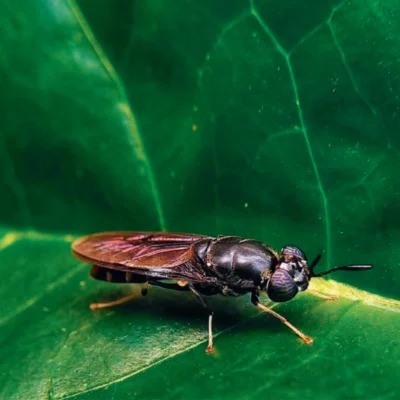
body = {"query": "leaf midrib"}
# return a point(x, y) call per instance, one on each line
point(125, 107)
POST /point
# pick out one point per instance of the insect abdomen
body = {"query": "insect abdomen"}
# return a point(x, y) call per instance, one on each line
point(116, 276)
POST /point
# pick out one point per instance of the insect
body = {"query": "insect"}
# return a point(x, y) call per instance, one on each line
point(203, 265)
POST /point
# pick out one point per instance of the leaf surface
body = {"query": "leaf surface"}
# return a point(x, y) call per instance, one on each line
point(56, 347)
point(275, 120)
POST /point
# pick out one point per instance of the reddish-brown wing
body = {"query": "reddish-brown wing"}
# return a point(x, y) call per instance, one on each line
point(136, 250)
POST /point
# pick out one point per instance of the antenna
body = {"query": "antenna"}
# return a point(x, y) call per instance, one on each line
point(315, 262)
point(356, 267)
point(360, 267)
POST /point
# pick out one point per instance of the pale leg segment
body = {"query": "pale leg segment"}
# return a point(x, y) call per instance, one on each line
point(256, 302)
point(123, 300)
point(209, 348)
point(210, 335)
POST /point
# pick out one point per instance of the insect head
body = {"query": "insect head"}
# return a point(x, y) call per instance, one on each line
point(293, 274)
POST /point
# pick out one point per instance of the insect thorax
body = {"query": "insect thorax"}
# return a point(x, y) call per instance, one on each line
point(242, 263)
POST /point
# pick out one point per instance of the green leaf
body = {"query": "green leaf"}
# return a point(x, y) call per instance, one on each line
point(54, 346)
point(275, 120)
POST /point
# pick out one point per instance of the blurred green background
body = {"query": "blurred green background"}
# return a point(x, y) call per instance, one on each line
point(275, 120)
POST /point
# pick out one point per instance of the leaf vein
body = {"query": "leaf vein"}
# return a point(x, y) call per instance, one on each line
point(318, 27)
point(348, 69)
point(227, 28)
point(161, 360)
point(273, 136)
point(126, 109)
point(47, 289)
point(304, 130)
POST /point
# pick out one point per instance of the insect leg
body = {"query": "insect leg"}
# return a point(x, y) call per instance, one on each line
point(210, 317)
point(126, 299)
point(322, 296)
point(145, 289)
point(256, 302)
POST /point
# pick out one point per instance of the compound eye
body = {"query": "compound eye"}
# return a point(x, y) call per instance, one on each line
point(292, 252)
point(281, 286)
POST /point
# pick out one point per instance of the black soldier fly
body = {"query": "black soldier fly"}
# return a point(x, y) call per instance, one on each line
point(204, 265)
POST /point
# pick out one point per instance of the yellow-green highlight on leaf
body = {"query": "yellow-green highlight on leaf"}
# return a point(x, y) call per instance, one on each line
point(11, 237)
point(331, 287)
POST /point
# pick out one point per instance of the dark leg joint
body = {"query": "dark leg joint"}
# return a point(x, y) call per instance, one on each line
point(254, 299)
